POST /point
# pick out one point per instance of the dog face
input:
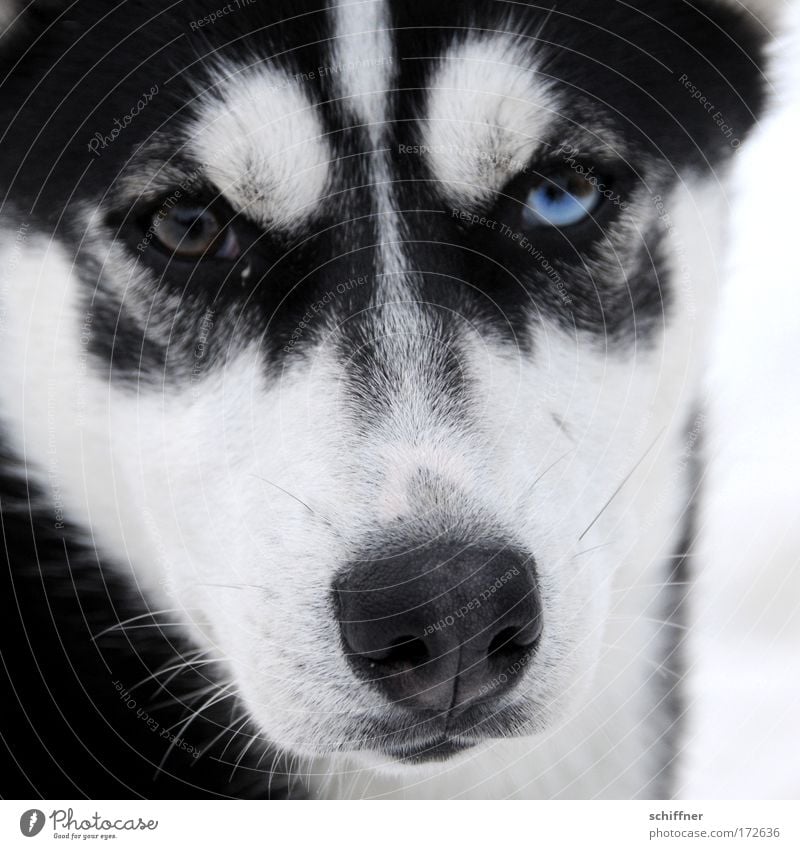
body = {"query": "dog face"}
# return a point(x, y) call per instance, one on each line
point(362, 339)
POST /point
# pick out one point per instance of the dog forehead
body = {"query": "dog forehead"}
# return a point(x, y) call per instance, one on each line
point(266, 133)
point(264, 127)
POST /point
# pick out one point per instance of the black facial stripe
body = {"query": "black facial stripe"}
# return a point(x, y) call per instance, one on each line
point(380, 362)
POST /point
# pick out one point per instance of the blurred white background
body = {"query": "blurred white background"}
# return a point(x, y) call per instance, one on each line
point(745, 729)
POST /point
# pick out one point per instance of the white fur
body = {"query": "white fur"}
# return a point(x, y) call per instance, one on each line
point(260, 141)
point(365, 60)
point(486, 112)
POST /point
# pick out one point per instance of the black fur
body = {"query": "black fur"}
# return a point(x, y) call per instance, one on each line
point(75, 723)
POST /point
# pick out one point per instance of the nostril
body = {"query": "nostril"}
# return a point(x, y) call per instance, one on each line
point(402, 653)
point(407, 651)
point(505, 643)
point(513, 640)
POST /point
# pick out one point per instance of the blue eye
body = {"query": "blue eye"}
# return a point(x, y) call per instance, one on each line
point(560, 200)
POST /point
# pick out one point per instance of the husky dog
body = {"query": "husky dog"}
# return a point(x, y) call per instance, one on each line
point(350, 405)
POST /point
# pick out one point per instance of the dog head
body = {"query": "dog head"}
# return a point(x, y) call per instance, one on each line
point(363, 338)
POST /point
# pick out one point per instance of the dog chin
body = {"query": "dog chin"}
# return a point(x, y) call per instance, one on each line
point(414, 762)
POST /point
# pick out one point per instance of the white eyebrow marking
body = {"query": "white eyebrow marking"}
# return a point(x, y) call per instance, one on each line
point(486, 114)
point(261, 142)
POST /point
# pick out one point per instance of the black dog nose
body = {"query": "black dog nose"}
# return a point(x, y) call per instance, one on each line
point(443, 626)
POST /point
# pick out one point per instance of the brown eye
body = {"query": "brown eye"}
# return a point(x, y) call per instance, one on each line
point(193, 232)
